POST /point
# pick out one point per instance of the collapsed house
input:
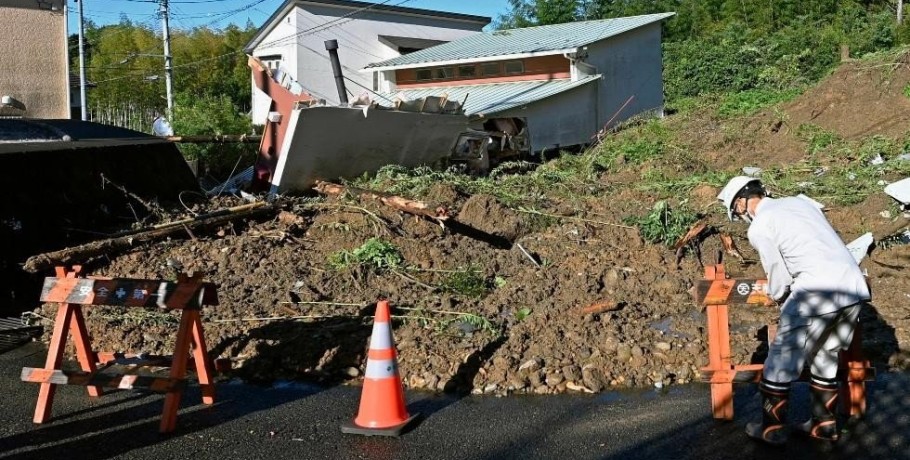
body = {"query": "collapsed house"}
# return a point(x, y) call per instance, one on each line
point(291, 41)
point(477, 101)
point(539, 88)
point(306, 140)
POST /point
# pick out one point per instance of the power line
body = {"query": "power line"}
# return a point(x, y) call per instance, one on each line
point(312, 30)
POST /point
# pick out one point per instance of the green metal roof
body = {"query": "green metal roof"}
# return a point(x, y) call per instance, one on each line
point(540, 40)
point(496, 97)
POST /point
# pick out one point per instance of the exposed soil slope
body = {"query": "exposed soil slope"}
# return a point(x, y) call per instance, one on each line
point(531, 332)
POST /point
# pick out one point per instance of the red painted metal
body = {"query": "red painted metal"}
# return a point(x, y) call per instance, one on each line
point(715, 293)
point(283, 102)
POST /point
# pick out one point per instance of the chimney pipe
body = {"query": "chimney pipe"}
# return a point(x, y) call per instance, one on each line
point(332, 47)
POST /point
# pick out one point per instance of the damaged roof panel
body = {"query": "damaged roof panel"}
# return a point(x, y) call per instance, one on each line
point(530, 40)
point(497, 97)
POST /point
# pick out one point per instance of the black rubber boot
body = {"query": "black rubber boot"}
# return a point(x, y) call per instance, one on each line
point(772, 428)
point(823, 424)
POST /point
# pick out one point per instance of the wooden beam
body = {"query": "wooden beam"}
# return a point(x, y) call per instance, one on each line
point(126, 240)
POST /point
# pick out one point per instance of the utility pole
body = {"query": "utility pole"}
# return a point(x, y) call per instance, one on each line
point(168, 72)
point(82, 65)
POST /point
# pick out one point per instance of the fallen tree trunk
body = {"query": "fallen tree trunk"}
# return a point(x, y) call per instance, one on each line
point(128, 239)
point(418, 208)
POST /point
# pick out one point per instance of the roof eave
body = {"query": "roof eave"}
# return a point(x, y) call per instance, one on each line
point(583, 83)
point(288, 5)
point(268, 25)
point(657, 18)
point(500, 57)
point(404, 11)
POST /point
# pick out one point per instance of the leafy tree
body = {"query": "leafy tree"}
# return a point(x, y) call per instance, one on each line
point(557, 11)
point(213, 115)
point(527, 13)
point(126, 62)
point(521, 14)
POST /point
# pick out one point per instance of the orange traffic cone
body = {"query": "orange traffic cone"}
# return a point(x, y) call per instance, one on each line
point(382, 409)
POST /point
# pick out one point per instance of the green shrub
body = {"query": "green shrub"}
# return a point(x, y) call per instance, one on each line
point(374, 253)
point(209, 115)
point(663, 225)
point(818, 139)
point(468, 282)
point(750, 101)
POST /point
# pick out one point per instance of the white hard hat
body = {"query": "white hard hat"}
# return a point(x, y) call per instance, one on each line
point(728, 194)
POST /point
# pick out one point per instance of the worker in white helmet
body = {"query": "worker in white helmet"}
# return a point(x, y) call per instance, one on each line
point(819, 288)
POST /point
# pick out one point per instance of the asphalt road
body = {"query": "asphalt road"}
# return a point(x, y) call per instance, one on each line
point(302, 422)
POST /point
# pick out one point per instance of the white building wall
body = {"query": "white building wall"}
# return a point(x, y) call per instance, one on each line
point(282, 42)
point(631, 64)
point(561, 120)
point(358, 45)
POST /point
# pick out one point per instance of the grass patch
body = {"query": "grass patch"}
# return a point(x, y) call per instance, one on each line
point(751, 101)
point(468, 282)
point(657, 180)
point(633, 146)
point(664, 225)
point(817, 138)
point(846, 178)
point(374, 253)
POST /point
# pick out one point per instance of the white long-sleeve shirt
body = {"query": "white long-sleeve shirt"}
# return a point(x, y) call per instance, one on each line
point(802, 253)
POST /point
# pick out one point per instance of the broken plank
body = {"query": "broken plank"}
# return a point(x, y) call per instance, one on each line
point(123, 382)
point(730, 246)
point(418, 208)
point(693, 233)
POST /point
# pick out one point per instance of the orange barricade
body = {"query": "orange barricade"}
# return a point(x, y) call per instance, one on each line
point(188, 294)
point(716, 293)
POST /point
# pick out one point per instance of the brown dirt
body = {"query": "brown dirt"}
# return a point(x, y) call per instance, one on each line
point(542, 341)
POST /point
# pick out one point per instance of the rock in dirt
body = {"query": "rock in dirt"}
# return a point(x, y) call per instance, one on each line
point(352, 372)
point(593, 378)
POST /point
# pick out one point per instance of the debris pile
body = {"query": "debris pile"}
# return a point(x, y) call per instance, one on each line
point(490, 296)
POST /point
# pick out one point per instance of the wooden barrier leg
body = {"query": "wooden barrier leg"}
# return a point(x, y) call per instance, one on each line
point(83, 347)
point(853, 388)
point(719, 359)
point(178, 371)
point(54, 360)
point(204, 366)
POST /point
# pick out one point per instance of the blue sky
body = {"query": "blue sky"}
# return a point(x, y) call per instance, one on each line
point(219, 13)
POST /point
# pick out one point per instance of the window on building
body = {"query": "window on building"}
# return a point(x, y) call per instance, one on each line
point(514, 67)
point(490, 69)
point(271, 61)
point(424, 74)
point(442, 73)
point(467, 71)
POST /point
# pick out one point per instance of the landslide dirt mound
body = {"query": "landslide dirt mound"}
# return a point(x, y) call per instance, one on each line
point(574, 300)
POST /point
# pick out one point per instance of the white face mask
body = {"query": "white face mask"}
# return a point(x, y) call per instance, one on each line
point(745, 216)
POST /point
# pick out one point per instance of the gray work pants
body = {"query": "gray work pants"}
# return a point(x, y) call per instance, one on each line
point(815, 338)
